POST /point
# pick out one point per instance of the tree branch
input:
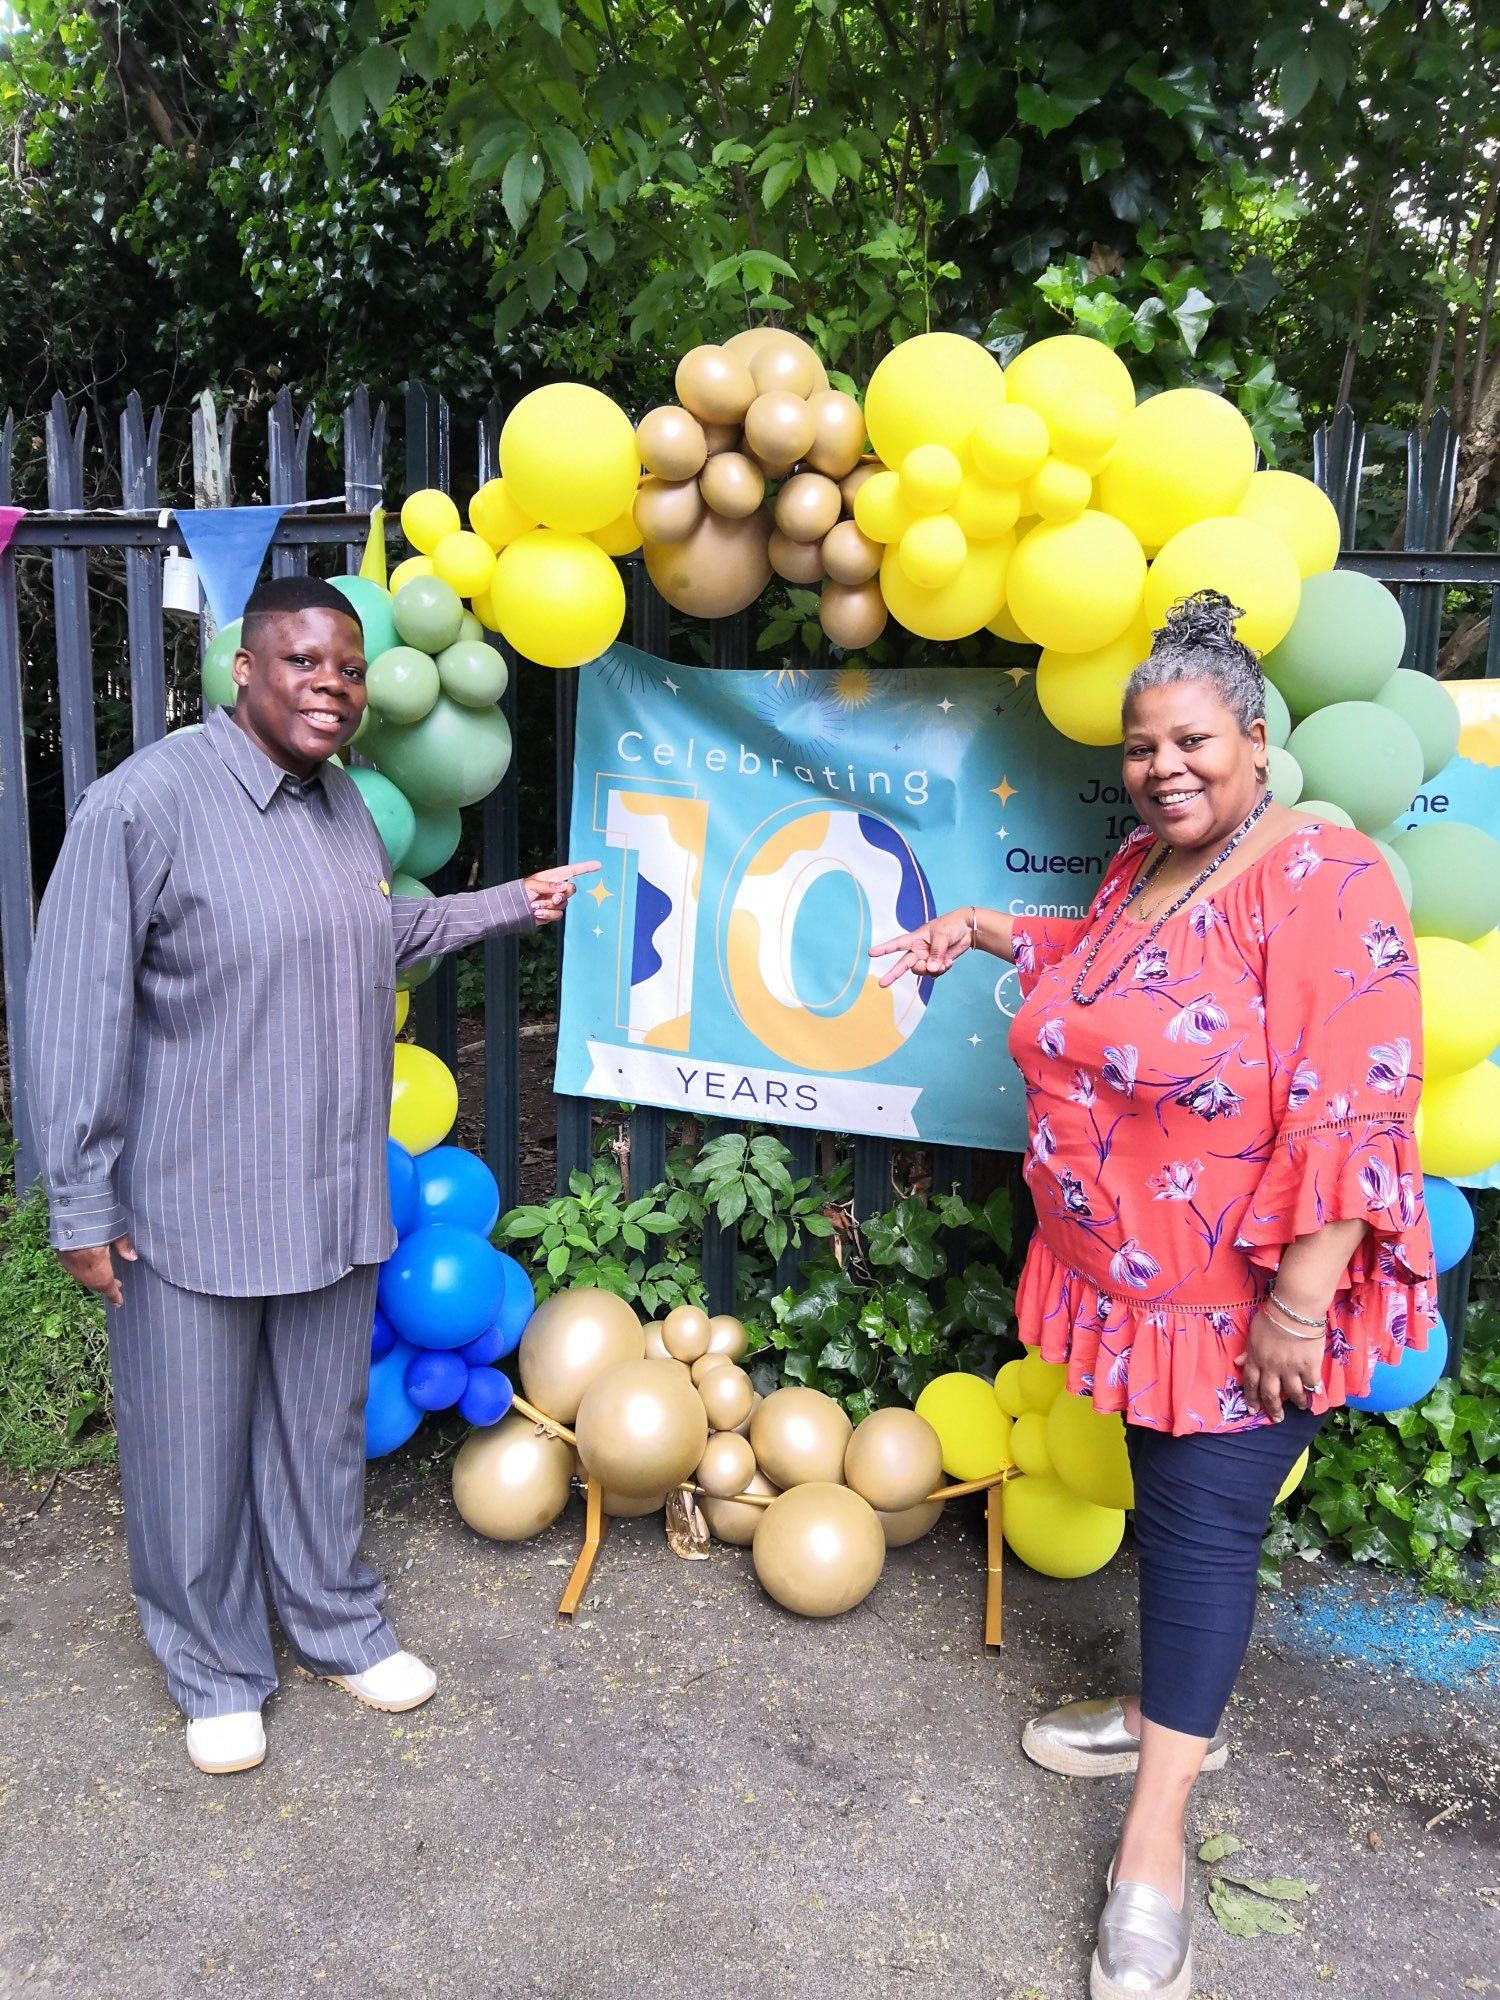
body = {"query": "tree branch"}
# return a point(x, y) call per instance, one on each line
point(133, 73)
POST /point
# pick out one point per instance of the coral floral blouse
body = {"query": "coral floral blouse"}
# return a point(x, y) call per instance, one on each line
point(1251, 1076)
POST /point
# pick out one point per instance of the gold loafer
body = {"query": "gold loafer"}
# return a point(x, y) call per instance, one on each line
point(1088, 1739)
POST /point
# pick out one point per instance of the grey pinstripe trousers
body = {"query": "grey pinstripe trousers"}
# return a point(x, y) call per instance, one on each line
point(241, 1432)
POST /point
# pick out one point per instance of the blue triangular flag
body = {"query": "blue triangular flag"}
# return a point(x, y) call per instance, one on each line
point(228, 546)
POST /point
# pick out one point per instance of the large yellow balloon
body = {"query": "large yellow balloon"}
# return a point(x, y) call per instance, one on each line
point(933, 551)
point(494, 515)
point(1080, 693)
point(965, 605)
point(1040, 1382)
point(568, 457)
point(1075, 585)
point(972, 1428)
point(1300, 512)
point(932, 389)
point(879, 509)
point(408, 568)
point(1053, 376)
point(424, 1099)
point(621, 538)
point(557, 598)
point(1010, 1391)
point(465, 561)
point(1247, 560)
point(1055, 1532)
point(427, 516)
point(1004, 626)
point(1028, 1443)
point(1087, 1448)
point(1460, 1128)
point(1010, 444)
point(1460, 1005)
point(1293, 1480)
point(1182, 456)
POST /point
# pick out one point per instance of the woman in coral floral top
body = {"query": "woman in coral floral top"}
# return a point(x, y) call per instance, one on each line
point(1222, 1060)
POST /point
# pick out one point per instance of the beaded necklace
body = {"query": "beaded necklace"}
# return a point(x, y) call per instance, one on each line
point(1087, 999)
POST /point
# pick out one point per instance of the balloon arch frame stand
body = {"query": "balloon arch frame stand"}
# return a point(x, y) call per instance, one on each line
point(597, 1523)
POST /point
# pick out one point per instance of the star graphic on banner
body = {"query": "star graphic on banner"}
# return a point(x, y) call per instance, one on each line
point(975, 1040)
point(1005, 791)
point(1017, 675)
point(1002, 834)
point(600, 894)
point(670, 683)
point(598, 930)
point(945, 704)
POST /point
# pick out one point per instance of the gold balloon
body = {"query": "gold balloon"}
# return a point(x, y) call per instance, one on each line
point(715, 386)
point(853, 615)
point(511, 1480)
point(721, 437)
point(671, 442)
point(794, 369)
point(807, 507)
point(727, 1466)
point(727, 1394)
point(569, 1341)
point(631, 1506)
point(722, 567)
point(732, 484)
point(911, 1524)
point(641, 1427)
point(743, 1430)
point(779, 428)
point(849, 556)
point(733, 1521)
point(668, 510)
point(839, 433)
point(757, 339)
point(819, 1550)
point(727, 1335)
point(707, 1361)
point(800, 1434)
point(894, 1460)
point(656, 1347)
point(850, 484)
point(796, 562)
point(685, 1331)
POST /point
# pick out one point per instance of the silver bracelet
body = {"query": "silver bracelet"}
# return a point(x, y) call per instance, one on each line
point(1293, 1332)
point(1301, 1318)
point(974, 925)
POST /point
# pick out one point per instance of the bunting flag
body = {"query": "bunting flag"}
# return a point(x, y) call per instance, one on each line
point(228, 546)
point(10, 520)
point(372, 563)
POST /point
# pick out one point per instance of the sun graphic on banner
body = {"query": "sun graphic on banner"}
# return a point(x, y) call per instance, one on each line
point(853, 687)
point(786, 675)
point(804, 719)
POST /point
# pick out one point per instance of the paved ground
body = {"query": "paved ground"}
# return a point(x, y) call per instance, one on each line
point(692, 1796)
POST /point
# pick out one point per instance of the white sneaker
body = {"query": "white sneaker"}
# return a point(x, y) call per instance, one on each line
point(221, 1743)
point(393, 1685)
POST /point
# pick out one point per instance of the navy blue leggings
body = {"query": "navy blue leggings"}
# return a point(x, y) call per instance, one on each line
point(1202, 1504)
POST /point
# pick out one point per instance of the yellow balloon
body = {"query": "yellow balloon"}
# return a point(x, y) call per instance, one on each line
point(557, 598)
point(1086, 431)
point(1010, 443)
point(1041, 1382)
point(933, 550)
point(405, 571)
point(1300, 512)
point(1075, 585)
point(1028, 1443)
point(932, 389)
point(1057, 491)
point(1460, 1130)
point(930, 478)
point(426, 517)
point(466, 561)
point(494, 515)
point(1488, 948)
point(1080, 693)
point(1247, 560)
point(568, 456)
point(1053, 377)
point(972, 1428)
point(1004, 626)
point(1182, 457)
point(621, 538)
point(424, 1099)
point(1008, 1390)
point(879, 510)
point(984, 510)
point(1460, 1005)
point(403, 1007)
point(965, 605)
point(1056, 1533)
point(1293, 1480)
point(1088, 1452)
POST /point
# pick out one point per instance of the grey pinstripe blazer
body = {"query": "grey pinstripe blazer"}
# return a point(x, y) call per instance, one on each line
point(211, 1010)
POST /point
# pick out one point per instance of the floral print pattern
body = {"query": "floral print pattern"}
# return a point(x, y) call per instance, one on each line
point(1249, 1079)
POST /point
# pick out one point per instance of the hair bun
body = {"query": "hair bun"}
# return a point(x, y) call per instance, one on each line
point(1205, 618)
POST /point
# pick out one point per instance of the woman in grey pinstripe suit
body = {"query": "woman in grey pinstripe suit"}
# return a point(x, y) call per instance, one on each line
point(211, 1009)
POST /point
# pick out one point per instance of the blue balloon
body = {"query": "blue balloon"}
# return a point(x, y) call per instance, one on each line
point(442, 1287)
point(401, 1172)
point(390, 1414)
point(382, 1337)
point(487, 1397)
point(456, 1187)
point(1452, 1222)
point(435, 1379)
point(517, 1306)
point(1395, 1384)
point(490, 1346)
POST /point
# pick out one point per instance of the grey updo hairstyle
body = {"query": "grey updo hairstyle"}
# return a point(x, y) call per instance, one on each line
point(1198, 643)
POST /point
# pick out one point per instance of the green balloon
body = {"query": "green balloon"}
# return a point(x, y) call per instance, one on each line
point(473, 674)
point(454, 757)
point(372, 606)
point(435, 840)
point(1345, 643)
point(1285, 775)
point(402, 684)
point(429, 613)
point(394, 819)
point(1455, 879)
point(1362, 757)
point(471, 628)
point(1278, 717)
point(408, 977)
point(1399, 871)
point(1431, 713)
point(1321, 809)
point(219, 689)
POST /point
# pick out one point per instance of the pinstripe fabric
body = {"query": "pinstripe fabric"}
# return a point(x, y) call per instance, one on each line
point(211, 1007)
point(241, 1428)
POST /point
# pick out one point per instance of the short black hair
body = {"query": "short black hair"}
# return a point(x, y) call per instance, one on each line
point(281, 594)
